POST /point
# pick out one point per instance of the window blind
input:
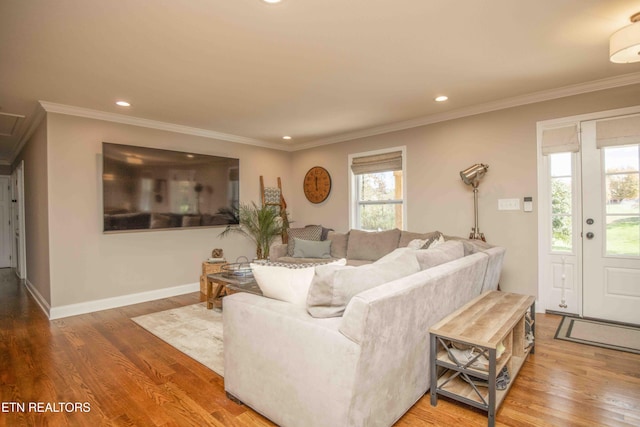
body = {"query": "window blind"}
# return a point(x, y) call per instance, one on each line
point(560, 140)
point(377, 163)
point(618, 131)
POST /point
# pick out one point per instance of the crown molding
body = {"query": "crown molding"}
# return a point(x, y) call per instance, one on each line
point(33, 122)
point(70, 110)
point(532, 98)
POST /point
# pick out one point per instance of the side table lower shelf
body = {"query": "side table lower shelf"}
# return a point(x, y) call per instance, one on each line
point(460, 390)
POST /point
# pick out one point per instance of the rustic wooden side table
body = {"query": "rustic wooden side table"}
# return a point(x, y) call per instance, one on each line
point(490, 321)
point(219, 285)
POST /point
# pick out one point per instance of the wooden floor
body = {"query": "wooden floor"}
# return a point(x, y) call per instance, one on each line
point(125, 376)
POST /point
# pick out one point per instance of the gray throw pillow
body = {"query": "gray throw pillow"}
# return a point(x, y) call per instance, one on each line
point(333, 286)
point(311, 249)
point(310, 232)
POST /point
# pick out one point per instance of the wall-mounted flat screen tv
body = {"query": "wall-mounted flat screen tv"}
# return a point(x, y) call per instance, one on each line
point(147, 188)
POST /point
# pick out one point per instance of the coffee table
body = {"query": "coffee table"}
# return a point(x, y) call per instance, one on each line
point(219, 285)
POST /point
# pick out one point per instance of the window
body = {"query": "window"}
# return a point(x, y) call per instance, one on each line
point(378, 191)
point(561, 202)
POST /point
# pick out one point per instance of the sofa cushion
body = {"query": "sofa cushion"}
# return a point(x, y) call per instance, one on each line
point(286, 282)
point(338, 244)
point(440, 254)
point(310, 232)
point(333, 286)
point(372, 246)
point(312, 249)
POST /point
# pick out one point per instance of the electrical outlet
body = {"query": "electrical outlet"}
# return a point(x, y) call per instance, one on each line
point(508, 204)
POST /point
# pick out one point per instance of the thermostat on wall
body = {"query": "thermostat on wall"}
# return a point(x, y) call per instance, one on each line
point(528, 204)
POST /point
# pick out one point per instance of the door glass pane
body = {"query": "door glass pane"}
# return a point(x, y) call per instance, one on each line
point(561, 202)
point(561, 233)
point(623, 235)
point(621, 159)
point(622, 181)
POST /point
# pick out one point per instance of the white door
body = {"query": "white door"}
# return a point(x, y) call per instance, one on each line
point(611, 218)
point(5, 223)
point(18, 260)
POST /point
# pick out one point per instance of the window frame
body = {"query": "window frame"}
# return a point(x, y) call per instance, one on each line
point(354, 192)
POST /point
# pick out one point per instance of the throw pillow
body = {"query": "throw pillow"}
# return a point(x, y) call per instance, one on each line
point(442, 253)
point(408, 236)
point(371, 245)
point(311, 249)
point(325, 231)
point(417, 243)
point(339, 243)
point(432, 243)
point(286, 282)
point(310, 232)
point(333, 286)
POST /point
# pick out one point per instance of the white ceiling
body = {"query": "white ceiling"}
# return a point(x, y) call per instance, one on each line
point(318, 70)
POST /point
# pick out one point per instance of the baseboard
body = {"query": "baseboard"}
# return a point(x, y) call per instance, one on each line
point(120, 301)
point(42, 303)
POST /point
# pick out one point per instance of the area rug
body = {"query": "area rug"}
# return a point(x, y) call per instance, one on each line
point(600, 334)
point(193, 330)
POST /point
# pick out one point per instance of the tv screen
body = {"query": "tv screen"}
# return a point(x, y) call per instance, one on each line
point(147, 188)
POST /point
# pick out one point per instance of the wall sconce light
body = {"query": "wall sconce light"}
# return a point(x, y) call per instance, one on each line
point(472, 176)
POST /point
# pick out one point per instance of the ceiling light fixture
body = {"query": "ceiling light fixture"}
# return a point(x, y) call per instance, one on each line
point(441, 98)
point(287, 137)
point(272, 1)
point(123, 103)
point(624, 44)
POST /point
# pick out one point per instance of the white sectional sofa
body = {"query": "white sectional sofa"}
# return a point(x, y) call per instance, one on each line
point(365, 367)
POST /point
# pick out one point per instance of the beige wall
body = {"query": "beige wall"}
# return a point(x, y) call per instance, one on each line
point(36, 197)
point(437, 198)
point(88, 265)
point(71, 261)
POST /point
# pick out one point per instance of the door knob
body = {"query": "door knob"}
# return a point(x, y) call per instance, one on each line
point(590, 221)
point(590, 235)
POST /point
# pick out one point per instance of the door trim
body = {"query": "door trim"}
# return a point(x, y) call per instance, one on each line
point(21, 256)
point(544, 267)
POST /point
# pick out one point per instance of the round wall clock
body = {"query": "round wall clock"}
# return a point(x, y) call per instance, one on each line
point(317, 184)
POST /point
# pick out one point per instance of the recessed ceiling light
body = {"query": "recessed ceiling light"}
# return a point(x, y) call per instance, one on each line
point(123, 103)
point(272, 1)
point(441, 98)
point(286, 137)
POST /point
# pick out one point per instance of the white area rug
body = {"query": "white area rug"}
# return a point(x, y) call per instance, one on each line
point(193, 330)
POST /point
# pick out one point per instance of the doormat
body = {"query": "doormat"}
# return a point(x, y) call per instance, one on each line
point(600, 334)
point(193, 330)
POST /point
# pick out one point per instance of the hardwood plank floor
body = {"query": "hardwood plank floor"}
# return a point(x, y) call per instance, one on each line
point(128, 377)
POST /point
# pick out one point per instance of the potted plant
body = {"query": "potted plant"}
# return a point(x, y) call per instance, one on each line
point(259, 224)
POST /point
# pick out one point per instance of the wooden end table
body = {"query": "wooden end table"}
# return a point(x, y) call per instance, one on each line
point(486, 322)
point(219, 285)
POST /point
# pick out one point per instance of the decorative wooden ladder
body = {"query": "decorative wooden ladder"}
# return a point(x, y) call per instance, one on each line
point(272, 196)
